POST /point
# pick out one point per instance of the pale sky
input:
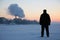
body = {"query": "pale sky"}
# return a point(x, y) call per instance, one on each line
point(32, 8)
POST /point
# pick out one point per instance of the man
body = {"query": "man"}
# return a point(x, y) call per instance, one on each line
point(44, 22)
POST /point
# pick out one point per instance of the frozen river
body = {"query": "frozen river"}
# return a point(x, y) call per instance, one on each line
point(28, 32)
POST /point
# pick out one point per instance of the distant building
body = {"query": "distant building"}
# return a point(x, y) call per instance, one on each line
point(17, 21)
point(3, 20)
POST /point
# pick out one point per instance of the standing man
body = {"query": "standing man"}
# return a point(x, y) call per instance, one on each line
point(44, 22)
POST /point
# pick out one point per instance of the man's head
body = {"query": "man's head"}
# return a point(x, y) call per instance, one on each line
point(44, 11)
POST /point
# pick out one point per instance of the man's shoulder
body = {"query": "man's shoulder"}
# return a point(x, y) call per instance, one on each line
point(42, 14)
point(45, 14)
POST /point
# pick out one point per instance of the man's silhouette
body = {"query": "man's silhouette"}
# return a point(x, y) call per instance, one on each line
point(44, 22)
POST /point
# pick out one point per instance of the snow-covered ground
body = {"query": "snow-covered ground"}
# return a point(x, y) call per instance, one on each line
point(28, 32)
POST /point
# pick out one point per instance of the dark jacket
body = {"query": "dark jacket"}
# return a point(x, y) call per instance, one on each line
point(44, 19)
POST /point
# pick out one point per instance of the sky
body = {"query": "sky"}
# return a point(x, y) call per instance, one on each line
point(32, 8)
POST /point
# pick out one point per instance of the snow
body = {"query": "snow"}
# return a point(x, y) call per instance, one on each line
point(28, 32)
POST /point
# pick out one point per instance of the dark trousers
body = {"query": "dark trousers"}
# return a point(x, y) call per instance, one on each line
point(42, 30)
